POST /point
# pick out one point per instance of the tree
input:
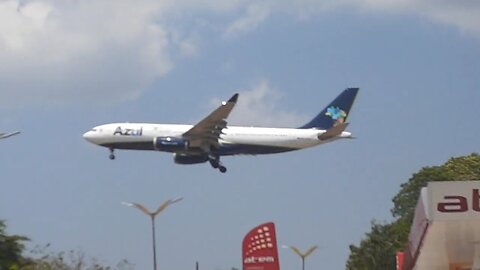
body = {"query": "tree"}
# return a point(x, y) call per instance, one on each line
point(11, 248)
point(12, 257)
point(71, 260)
point(377, 250)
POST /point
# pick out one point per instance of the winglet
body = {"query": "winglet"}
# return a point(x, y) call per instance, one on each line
point(233, 98)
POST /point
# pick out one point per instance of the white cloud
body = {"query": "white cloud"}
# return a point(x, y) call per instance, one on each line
point(254, 15)
point(187, 43)
point(54, 53)
point(259, 107)
point(462, 14)
point(57, 52)
point(465, 15)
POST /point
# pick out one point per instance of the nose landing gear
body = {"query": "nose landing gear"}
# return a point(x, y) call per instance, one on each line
point(112, 155)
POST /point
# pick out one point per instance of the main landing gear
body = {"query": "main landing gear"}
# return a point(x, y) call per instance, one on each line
point(216, 164)
point(112, 155)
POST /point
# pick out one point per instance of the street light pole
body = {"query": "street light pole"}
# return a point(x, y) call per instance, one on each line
point(153, 241)
point(302, 255)
point(152, 216)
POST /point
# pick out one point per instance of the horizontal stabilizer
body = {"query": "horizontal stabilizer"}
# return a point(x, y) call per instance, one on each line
point(333, 132)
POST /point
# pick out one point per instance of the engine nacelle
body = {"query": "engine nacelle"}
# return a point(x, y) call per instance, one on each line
point(170, 144)
point(187, 159)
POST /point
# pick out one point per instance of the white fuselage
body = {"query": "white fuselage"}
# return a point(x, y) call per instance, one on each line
point(260, 140)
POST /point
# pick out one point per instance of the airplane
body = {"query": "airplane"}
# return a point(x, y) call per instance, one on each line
point(6, 135)
point(212, 138)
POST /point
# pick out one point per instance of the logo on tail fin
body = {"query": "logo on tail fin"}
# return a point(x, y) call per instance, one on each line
point(336, 114)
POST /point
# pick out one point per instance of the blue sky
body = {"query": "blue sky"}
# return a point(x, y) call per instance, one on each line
point(68, 66)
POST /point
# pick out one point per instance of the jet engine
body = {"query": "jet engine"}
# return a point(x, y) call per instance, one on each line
point(189, 159)
point(170, 144)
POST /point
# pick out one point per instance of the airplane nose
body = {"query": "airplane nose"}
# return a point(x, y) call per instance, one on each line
point(88, 136)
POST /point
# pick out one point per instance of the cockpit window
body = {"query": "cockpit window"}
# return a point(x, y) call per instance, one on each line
point(94, 129)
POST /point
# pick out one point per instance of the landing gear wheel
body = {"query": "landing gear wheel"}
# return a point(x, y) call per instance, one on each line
point(112, 155)
point(222, 169)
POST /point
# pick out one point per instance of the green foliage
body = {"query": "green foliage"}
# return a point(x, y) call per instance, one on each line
point(406, 200)
point(465, 168)
point(377, 250)
point(71, 260)
point(12, 258)
point(11, 248)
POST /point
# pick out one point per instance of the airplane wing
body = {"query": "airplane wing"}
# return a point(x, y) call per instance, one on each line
point(207, 132)
point(6, 135)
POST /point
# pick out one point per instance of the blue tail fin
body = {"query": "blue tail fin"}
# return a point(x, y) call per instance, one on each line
point(336, 112)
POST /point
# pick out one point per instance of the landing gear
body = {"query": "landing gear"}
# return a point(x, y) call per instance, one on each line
point(112, 155)
point(215, 162)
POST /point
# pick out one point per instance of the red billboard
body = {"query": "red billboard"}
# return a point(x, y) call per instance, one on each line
point(259, 248)
point(400, 258)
